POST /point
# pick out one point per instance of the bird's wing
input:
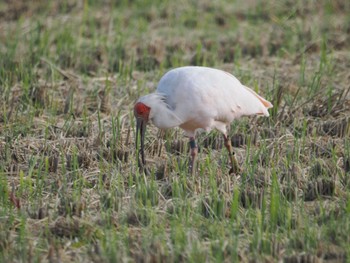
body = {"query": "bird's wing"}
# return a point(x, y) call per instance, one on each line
point(201, 93)
point(224, 95)
point(266, 103)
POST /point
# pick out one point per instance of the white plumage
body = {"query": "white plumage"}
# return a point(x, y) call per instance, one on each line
point(198, 98)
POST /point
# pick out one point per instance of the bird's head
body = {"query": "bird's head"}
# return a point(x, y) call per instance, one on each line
point(152, 108)
point(142, 111)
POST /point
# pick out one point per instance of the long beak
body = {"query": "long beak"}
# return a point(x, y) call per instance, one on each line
point(140, 128)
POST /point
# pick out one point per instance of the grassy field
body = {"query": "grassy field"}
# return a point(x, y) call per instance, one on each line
point(70, 190)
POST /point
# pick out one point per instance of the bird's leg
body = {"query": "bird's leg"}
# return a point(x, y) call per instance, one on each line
point(194, 152)
point(235, 166)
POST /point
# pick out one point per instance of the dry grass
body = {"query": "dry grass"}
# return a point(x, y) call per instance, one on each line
point(70, 190)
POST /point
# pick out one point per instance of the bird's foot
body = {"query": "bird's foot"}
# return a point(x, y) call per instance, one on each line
point(191, 169)
point(194, 153)
point(235, 170)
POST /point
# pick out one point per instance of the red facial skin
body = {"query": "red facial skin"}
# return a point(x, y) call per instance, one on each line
point(141, 111)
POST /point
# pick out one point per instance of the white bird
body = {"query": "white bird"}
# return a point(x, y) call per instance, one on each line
point(195, 98)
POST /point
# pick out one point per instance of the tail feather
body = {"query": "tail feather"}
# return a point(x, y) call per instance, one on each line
point(264, 102)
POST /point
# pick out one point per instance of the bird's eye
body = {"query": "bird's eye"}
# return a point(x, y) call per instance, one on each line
point(141, 111)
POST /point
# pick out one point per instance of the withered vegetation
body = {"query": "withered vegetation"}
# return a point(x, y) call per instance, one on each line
point(70, 189)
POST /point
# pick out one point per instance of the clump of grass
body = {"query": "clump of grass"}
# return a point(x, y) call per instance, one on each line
point(70, 189)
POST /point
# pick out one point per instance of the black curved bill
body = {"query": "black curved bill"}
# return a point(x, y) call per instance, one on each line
point(140, 131)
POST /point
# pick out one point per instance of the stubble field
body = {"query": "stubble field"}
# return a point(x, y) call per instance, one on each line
point(70, 189)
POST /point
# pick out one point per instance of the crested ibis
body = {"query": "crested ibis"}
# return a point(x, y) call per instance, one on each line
point(197, 98)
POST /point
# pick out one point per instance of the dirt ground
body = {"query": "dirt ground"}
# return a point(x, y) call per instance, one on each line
point(70, 189)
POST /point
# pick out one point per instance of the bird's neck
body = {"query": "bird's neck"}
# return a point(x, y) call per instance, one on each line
point(166, 119)
point(161, 114)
